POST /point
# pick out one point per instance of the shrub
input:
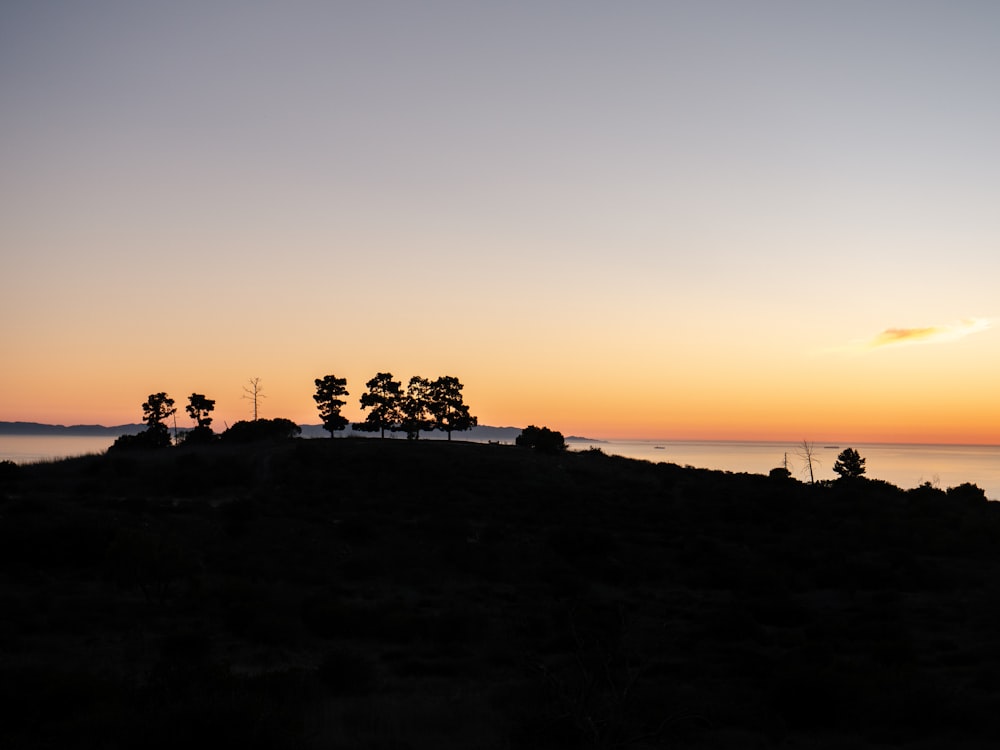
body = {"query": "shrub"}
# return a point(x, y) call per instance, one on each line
point(542, 439)
point(261, 430)
point(149, 439)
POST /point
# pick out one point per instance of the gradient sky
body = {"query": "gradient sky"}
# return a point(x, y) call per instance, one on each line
point(747, 220)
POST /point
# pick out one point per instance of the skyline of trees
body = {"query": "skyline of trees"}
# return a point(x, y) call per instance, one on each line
point(424, 406)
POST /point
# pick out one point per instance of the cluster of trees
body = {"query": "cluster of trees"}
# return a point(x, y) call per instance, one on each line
point(423, 406)
point(157, 409)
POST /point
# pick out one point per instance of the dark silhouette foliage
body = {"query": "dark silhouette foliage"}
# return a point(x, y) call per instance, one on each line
point(197, 436)
point(384, 398)
point(148, 439)
point(261, 430)
point(414, 407)
point(155, 409)
point(849, 464)
point(448, 411)
point(8, 473)
point(329, 390)
point(541, 439)
point(967, 493)
point(589, 601)
point(199, 409)
point(780, 472)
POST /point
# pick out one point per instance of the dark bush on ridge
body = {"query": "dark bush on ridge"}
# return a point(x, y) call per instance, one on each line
point(542, 439)
point(8, 472)
point(261, 430)
point(967, 493)
point(152, 438)
point(198, 436)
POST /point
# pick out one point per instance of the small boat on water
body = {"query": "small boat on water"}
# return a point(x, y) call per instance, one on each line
point(658, 448)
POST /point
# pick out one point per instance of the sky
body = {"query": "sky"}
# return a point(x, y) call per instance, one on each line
point(665, 220)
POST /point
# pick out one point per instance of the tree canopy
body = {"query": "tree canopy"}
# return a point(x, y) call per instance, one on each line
point(157, 408)
point(849, 464)
point(329, 390)
point(415, 407)
point(199, 409)
point(383, 398)
point(449, 412)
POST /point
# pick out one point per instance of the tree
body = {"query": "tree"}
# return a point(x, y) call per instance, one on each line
point(807, 452)
point(199, 408)
point(384, 397)
point(849, 464)
point(254, 392)
point(541, 439)
point(329, 390)
point(414, 407)
point(448, 411)
point(155, 409)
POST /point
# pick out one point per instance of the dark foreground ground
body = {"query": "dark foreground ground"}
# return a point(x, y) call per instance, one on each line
point(392, 595)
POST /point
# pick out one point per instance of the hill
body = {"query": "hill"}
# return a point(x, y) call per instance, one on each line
point(36, 428)
point(393, 594)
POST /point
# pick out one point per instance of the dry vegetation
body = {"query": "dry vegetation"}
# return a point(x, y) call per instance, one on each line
point(391, 594)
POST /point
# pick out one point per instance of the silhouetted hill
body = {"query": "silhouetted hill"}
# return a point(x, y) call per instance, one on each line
point(393, 594)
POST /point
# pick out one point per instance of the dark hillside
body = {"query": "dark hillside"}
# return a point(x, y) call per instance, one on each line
point(390, 594)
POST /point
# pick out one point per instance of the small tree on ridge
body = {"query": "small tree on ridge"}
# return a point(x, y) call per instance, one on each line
point(849, 464)
point(384, 398)
point(449, 412)
point(329, 390)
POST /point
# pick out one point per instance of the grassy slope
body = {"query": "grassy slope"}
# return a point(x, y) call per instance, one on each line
point(368, 594)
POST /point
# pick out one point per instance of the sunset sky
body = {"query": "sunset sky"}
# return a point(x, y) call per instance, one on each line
point(718, 220)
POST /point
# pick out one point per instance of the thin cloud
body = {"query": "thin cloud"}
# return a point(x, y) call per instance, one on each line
point(928, 334)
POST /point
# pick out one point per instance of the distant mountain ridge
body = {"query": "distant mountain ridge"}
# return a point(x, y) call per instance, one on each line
point(85, 430)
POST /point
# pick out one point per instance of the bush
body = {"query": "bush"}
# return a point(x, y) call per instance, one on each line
point(542, 439)
point(271, 430)
point(149, 439)
point(967, 493)
point(197, 436)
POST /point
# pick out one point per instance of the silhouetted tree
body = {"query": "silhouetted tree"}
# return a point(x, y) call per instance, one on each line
point(849, 464)
point(254, 392)
point(384, 398)
point(156, 408)
point(541, 439)
point(413, 407)
point(449, 412)
point(807, 452)
point(329, 390)
point(199, 408)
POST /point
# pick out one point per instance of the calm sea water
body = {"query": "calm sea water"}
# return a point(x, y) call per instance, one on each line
point(903, 465)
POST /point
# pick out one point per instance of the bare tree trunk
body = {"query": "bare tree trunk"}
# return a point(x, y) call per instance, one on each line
point(253, 393)
point(807, 452)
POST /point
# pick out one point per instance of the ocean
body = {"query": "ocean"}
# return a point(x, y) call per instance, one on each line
point(905, 466)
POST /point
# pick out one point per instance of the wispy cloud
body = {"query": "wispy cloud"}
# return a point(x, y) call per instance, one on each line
point(928, 334)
